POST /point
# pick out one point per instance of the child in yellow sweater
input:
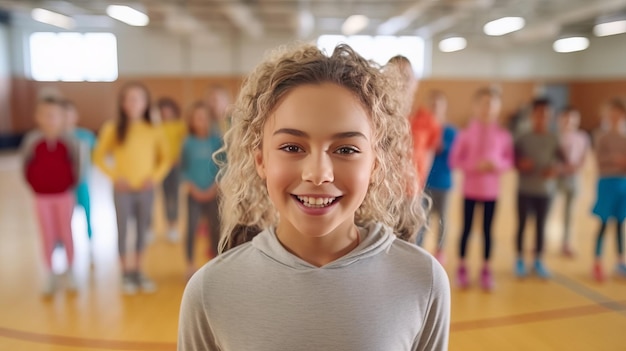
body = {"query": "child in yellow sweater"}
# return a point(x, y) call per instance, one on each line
point(140, 159)
point(175, 130)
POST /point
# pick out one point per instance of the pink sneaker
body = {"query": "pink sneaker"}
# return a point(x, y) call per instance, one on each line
point(441, 257)
point(462, 277)
point(568, 252)
point(486, 279)
point(598, 274)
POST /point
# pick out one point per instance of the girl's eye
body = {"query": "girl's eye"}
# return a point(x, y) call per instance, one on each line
point(291, 148)
point(347, 150)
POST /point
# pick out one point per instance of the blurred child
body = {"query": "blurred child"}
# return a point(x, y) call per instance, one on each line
point(439, 180)
point(425, 128)
point(175, 131)
point(52, 168)
point(140, 160)
point(199, 173)
point(482, 152)
point(611, 196)
point(217, 100)
point(319, 157)
point(87, 142)
point(575, 145)
point(538, 158)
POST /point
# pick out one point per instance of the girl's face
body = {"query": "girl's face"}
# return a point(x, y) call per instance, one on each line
point(50, 119)
point(317, 159)
point(200, 121)
point(488, 108)
point(570, 121)
point(71, 117)
point(439, 107)
point(168, 113)
point(541, 118)
point(616, 118)
point(135, 103)
point(217, 100)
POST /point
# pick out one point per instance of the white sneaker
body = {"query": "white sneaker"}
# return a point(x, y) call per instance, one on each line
point(149, 236)
point(50, 286)
point(92, 259)
point(145, 284)
point(70, 281)
point(129, 285)
point(172, 235)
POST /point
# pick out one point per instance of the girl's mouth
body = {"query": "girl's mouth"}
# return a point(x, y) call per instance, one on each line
point(316, 202)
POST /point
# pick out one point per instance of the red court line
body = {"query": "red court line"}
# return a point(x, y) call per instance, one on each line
point(85, 343)
point(543, 316)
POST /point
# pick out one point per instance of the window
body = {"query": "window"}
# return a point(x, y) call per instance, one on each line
point(73, 57)
point(379, 48)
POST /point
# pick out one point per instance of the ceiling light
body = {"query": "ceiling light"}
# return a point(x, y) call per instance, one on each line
point(571, 44)
point(504, 25)
point(609, 28)
point(305, 23)
point(128, 15)
point(393, 25)
point(52, 18)
point(452, 44)
point(354, 24)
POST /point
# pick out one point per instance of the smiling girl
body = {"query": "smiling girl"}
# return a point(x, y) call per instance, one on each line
point(319, 159)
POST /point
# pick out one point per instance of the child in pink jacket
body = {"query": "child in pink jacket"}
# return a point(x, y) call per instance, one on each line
point(482, 152)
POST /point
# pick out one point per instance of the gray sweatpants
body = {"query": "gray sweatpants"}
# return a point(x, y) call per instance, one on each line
point(135, 204)
point(440, 206)
point(194, 211)
point(170, 193)
point(569, 187)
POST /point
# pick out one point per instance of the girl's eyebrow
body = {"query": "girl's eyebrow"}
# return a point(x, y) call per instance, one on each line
point(299, 133)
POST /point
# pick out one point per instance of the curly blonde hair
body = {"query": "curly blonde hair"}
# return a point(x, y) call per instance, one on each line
point(393, 197)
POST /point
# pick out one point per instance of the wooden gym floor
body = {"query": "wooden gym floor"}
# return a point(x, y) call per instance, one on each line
point(569, 312)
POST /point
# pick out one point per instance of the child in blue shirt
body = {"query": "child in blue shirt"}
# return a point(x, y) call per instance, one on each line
point(439, 180)
point(87, 142)
point(199, 175)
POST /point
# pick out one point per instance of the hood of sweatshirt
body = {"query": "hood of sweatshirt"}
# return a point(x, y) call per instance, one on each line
point(375, 239)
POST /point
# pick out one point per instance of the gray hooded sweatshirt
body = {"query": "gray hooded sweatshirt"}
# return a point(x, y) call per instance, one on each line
point(386, 295)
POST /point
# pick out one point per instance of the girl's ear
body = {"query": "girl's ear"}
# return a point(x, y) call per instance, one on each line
point(258, 162)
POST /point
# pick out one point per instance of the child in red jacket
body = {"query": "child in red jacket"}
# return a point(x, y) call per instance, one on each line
point(50, 165)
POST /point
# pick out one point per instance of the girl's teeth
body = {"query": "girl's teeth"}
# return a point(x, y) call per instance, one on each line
point(315, 202)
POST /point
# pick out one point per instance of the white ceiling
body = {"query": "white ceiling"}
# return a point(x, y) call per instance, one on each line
point(545, 19)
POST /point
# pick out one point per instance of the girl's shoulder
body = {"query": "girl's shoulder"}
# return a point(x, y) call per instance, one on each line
point(191, 141)
point(225, 265)
point(504, 134)
point(463, 133)
point(418, 264)
point(410, 252)
point(108, 127)
point(109, 124)
point(32, 135)
point(449, 130)
point(216, 140)
point(404, 253)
